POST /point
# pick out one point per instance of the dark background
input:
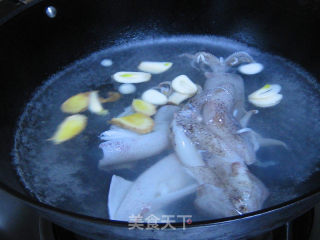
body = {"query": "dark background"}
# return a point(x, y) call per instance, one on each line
point(33, 46)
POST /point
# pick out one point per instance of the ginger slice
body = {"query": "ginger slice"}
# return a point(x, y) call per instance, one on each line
point(77, 103)
point(69, 128)
point(136, 122)
point(143, 107)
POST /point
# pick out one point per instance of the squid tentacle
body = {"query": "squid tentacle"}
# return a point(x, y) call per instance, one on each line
point(204, 61)
point(246, 117)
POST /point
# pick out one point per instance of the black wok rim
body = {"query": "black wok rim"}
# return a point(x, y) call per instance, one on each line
point(265, 211)
point(18, 10)
point(42, 206)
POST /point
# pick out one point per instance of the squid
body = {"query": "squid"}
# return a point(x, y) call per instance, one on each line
point(213, 147)
point(212, 142)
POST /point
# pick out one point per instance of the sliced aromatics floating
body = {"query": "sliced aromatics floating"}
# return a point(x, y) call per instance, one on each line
point(184, 85)
point(77, 103)
point(136, 122)
point(184, 89)
point(267, 96)
point(154, 67)
point(131, 77)
point(112, 97)
point(251, 68)
point(143, 107)
point(95, 105)
point(154, 97)
point(81, 101)
point(69, 128)
point(127, 88)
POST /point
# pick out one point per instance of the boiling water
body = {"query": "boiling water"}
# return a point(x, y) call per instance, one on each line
point(66, 175)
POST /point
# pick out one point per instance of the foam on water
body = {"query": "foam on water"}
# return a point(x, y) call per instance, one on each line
point(66, 175)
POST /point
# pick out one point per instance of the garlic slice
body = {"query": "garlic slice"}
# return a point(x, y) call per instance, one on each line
point(137, 122)
point(267, 96)
point(268, 101)
point(184, 85)
point(154, 97)
point(266, 91)
point(131, 77)
point(154, 67)
point(251, 68)
point(143, 107)
point(176, 98)
point(95, 104)
point(69, 128)
point(77, 103)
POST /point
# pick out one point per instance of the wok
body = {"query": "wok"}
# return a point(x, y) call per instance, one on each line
point(35, 46)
